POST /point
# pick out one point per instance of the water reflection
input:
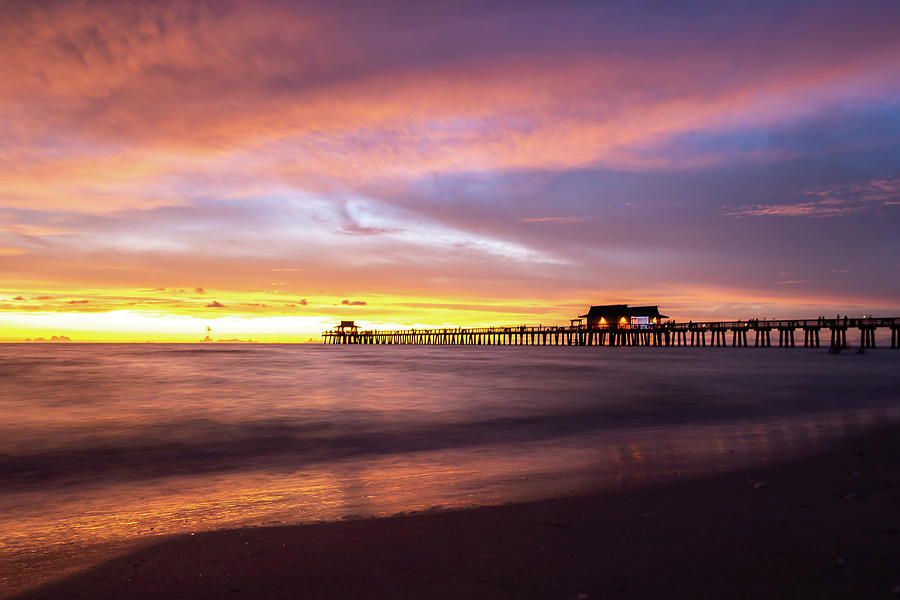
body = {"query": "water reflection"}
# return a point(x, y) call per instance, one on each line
point(112, 442)
point(415, 481)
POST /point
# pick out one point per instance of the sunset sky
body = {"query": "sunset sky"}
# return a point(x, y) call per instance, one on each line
point(268, 168)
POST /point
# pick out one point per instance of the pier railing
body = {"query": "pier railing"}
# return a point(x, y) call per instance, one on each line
point(668, 333)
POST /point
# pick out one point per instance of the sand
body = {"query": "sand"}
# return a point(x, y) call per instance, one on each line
point(821, 527)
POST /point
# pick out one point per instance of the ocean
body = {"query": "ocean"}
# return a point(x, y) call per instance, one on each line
point(108, 442)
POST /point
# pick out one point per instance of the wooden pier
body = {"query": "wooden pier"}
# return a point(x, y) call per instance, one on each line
point(671, 333)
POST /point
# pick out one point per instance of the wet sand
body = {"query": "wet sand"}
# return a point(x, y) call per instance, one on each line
point(820, 527)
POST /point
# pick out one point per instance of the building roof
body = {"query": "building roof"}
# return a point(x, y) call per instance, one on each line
point(646, 311)
point(606, 310)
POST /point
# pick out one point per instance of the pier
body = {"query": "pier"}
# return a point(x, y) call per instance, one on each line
point(755, 332)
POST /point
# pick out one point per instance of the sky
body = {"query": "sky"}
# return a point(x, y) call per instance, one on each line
point(268, 168)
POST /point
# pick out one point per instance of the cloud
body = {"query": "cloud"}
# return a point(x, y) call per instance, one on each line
point(832, 201)
point(874, 191)
point(19, 298)
point(559, 220)
point(150, 95)
point(353, 302)
point(78, 302)
point(444, 156)
point(35, 230)
point(354, 229)
point(199, 290)
point(801, 209)
point(215, 304)
point(53, 339)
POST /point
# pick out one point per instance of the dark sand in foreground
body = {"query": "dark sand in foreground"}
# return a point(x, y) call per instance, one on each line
point(822, 527)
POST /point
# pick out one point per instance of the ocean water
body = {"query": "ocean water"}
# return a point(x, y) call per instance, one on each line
point(110, 442)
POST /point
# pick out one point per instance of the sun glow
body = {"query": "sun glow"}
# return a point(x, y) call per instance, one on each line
point(104, 318)
point(183, 315)
point(131, 326)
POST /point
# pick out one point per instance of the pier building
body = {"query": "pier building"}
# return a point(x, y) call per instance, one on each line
point(612, 316)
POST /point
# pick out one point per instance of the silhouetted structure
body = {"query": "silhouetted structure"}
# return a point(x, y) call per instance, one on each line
point(347, 328)
point(621, 325)
point(612, 316)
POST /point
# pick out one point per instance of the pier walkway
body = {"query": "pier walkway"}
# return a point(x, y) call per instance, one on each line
point(671, 333)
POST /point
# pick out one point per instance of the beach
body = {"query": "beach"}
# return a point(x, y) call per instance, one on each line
point(824, 526)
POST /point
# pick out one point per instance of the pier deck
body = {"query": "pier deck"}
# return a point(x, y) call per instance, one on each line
point(671, 333)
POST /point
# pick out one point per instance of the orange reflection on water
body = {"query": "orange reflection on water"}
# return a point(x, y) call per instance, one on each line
point(417, 481)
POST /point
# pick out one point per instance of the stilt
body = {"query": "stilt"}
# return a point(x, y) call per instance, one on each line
point(867, 337)
point(669, 334)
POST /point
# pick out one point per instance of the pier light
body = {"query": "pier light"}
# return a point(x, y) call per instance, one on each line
point(623, 321)
point(602, 321)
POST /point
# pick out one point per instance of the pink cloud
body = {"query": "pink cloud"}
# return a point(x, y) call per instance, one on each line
point(559, 220)
point(802, 209)
point(354, 229)
point(832, 201)
point(147, 92)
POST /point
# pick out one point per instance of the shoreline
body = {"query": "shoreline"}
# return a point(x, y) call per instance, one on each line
point(821, 526)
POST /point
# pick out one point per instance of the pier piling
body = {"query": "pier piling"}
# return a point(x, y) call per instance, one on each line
point(669, 334)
